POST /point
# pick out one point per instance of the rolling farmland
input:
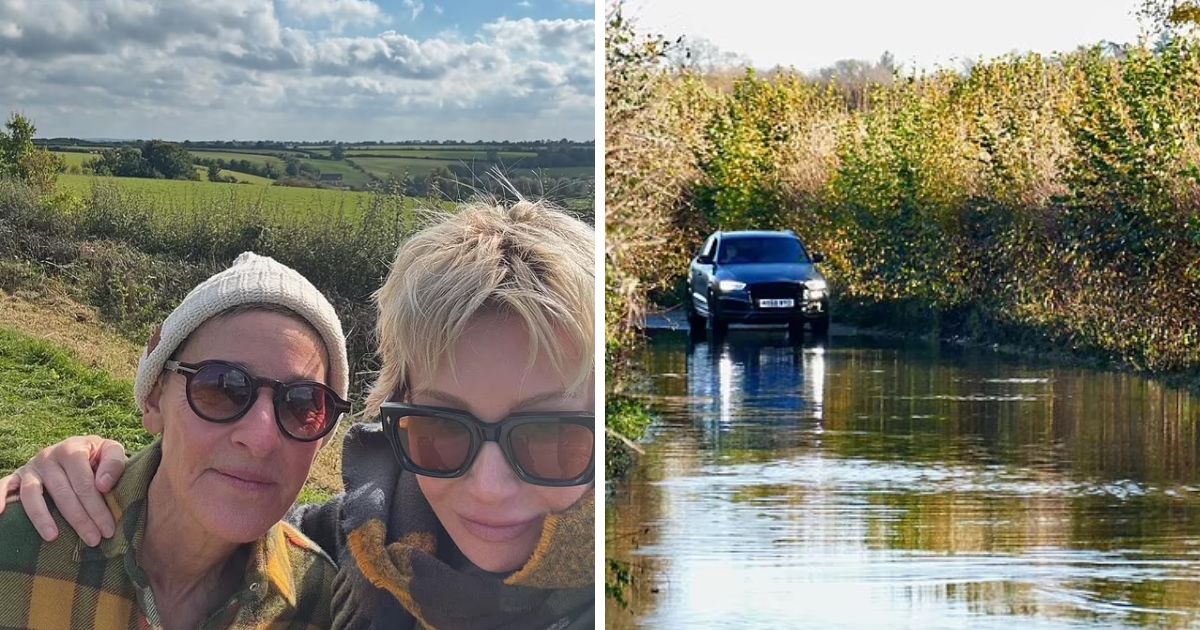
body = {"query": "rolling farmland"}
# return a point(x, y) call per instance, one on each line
point(176, 197)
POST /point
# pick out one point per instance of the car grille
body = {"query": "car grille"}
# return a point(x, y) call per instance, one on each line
point(775, 290)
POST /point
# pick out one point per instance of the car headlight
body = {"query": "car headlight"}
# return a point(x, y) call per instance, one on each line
point(731, 285)
point(815, 285)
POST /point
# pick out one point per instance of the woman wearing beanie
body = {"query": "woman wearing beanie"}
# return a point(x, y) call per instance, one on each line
point(242, 383)
point(470, 504)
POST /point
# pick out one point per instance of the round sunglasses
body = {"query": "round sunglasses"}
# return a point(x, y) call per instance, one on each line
point(543, 448)
point(222, 392)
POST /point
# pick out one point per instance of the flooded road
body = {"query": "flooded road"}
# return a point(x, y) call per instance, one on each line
point(875, 483)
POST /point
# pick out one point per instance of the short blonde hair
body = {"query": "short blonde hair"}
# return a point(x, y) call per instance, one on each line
point(529, 260)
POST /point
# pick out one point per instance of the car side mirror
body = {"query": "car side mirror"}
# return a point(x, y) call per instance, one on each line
point(817, 258)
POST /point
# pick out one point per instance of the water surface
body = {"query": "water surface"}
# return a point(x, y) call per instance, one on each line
point(867, 482)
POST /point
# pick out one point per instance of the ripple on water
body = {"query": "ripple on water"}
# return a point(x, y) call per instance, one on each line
point(887, 486)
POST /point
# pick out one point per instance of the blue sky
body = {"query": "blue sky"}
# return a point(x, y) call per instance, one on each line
point(921, 34)
point(428, 19)
point(300, 69)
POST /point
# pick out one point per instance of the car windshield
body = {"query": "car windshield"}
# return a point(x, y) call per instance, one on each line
point(753, 250)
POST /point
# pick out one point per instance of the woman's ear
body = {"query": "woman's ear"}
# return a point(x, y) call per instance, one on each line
point(152, 415)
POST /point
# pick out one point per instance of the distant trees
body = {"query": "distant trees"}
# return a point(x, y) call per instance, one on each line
point(170, 159)
point(21, 159)
point(702, 56)
point(268, 169)
point(859, 73)
point(155, 159)
point(338, 152)
point(214, 173)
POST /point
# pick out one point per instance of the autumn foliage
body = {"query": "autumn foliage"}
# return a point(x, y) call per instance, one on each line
point(1043, 200)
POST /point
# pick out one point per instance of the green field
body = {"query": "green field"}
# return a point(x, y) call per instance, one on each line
point(202, 171)
point(72, 159)
point(253, 158)
point(74, 163)
point(383, 167)
point(431, 153)
point(559, 171)
point(376, 162)
point(350, 175)
point(177, 197)
point(269, 152)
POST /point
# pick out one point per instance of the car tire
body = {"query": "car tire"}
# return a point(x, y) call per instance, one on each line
point(696, 323)
point(795, 331)
point(820, 327)
point(717, 328)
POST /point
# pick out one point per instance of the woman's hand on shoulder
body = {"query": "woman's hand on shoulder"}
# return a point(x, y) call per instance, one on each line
point(75, 472)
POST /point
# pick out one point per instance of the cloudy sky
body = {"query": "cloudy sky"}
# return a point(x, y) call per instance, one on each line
point(300, 69)
point(924, 34)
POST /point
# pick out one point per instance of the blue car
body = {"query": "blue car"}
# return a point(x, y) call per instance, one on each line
point(757, 277)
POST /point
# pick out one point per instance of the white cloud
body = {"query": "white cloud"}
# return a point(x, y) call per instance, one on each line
point(337, 13)
point(129, 68)
point(415, 7)
point(537, 36)
point(525, 4)
point(437, 8)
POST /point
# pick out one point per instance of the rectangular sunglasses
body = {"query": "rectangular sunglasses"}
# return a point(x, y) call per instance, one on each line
point(543, 448)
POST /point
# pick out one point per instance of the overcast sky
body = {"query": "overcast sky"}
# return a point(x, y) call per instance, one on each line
point(921, 34)
point(300, 69)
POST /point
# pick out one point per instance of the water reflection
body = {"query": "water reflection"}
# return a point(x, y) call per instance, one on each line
point(751, 389)
point(874, 483)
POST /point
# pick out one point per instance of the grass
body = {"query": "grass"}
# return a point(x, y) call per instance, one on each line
point(243, 178)
point(350, 175)
point(47, 394)
point(73, 159)
point(74, 163)
point(282, 203)
point(417, 162)
point(253, 158)
point(385, 167)
point(57, 319)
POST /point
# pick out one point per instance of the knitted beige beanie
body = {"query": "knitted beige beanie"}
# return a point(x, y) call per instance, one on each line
point(252, 279)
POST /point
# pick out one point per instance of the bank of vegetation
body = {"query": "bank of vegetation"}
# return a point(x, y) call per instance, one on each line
point(1041, 201)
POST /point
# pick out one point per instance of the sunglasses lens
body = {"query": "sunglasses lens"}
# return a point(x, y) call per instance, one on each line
point(553, 451)
point(306, 411)
point(220, 392)
point(435, 444)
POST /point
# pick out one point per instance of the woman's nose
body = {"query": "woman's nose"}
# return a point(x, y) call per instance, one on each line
point(491, 479)
point(257, 429)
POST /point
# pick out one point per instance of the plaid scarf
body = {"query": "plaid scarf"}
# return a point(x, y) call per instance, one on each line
point(393, 559)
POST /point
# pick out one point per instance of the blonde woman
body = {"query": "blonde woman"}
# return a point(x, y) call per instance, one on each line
point(470, 504)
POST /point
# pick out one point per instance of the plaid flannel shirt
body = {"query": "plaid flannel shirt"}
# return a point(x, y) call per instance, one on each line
point(66, 584)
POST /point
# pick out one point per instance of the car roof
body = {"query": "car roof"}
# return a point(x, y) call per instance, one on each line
point(757, 234)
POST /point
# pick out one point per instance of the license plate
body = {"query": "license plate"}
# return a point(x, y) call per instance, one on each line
point(776, 303)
